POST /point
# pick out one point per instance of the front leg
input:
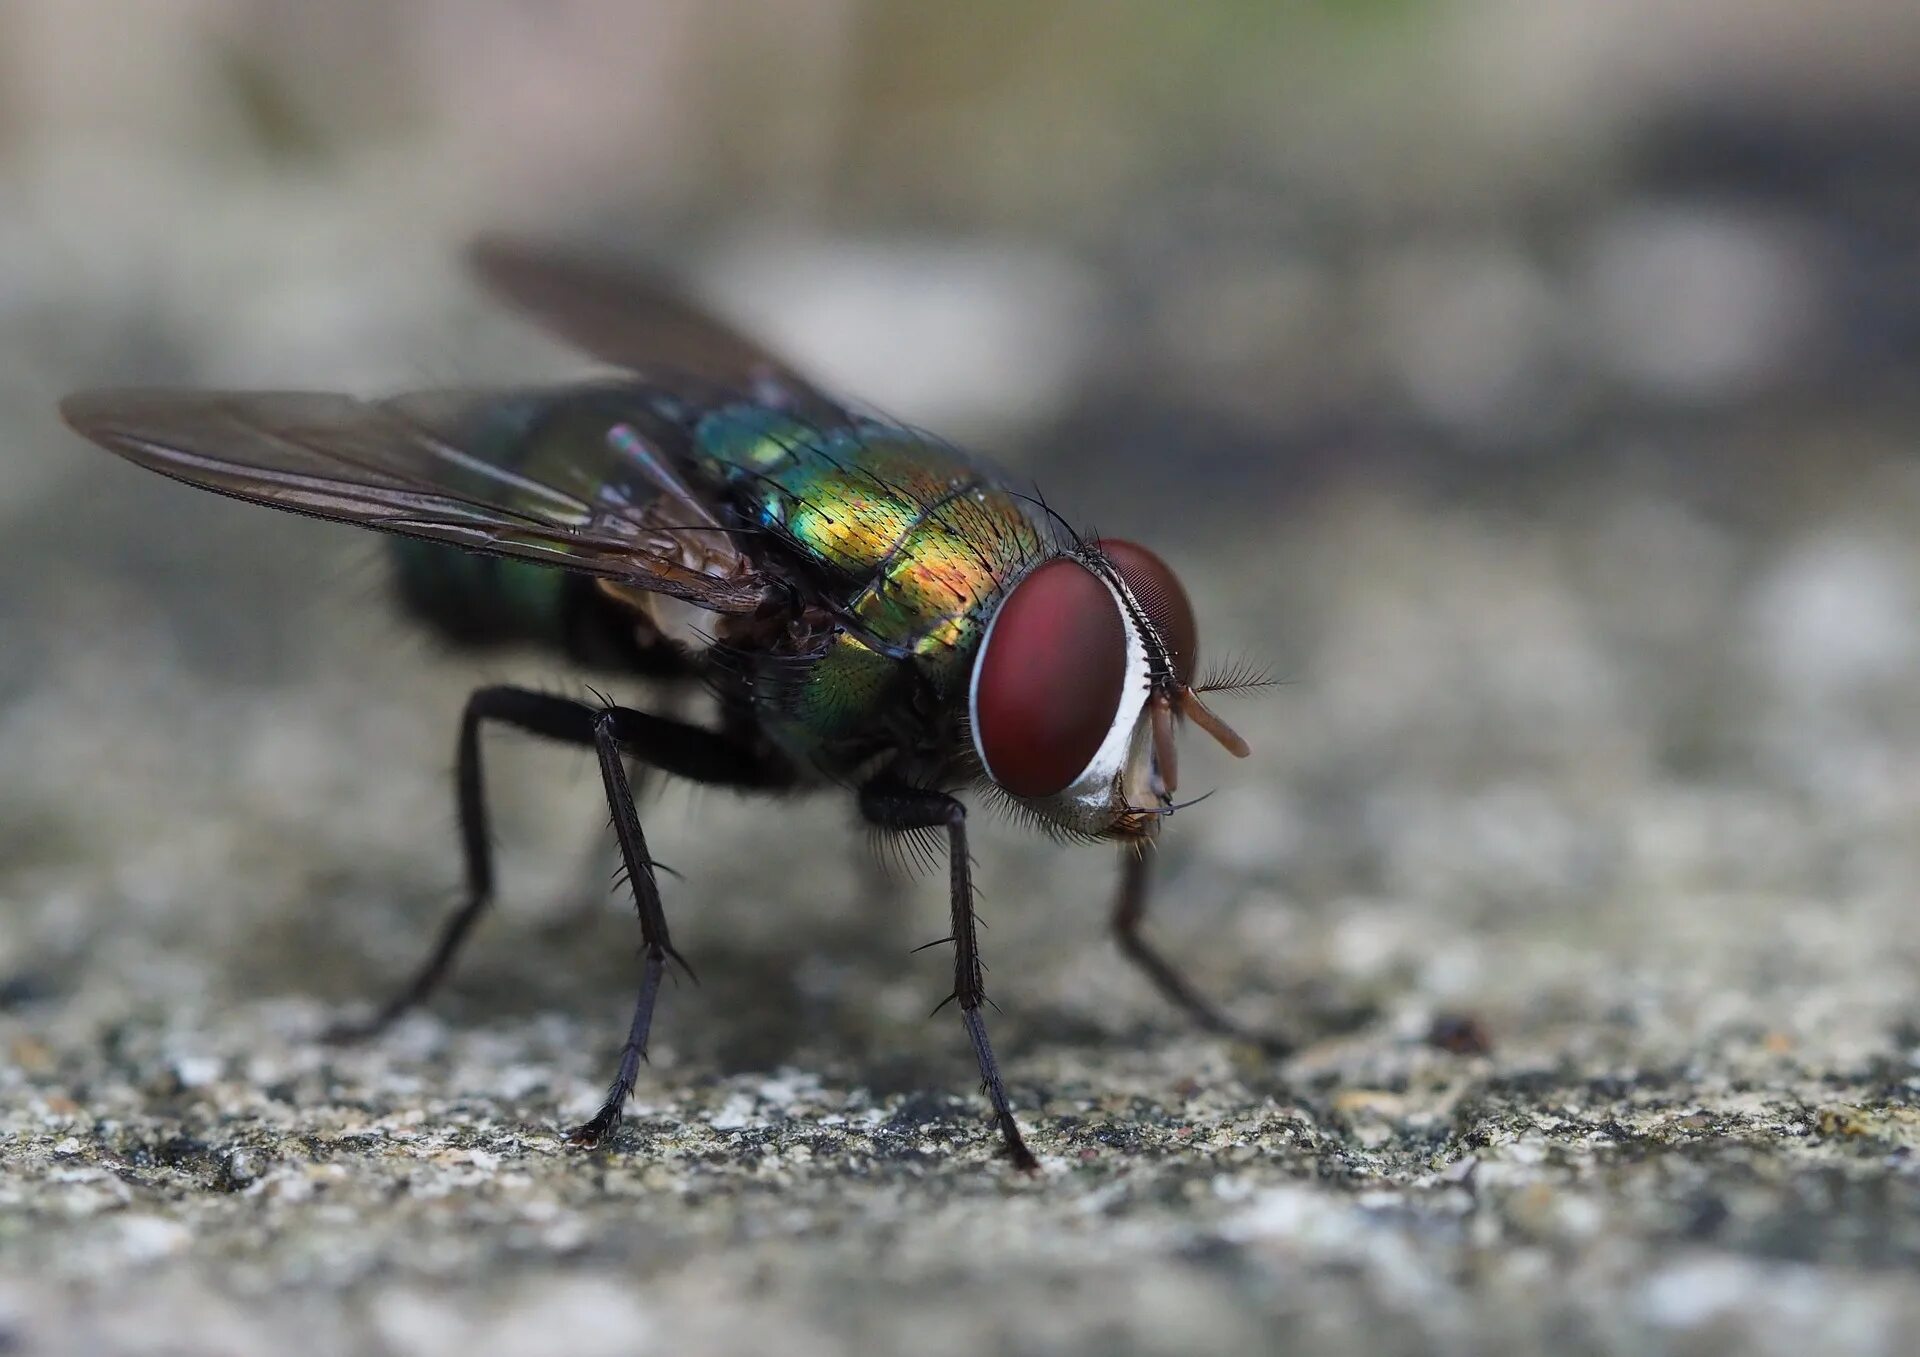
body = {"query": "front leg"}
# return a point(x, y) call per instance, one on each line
point(1129, 912)
point(893, 805)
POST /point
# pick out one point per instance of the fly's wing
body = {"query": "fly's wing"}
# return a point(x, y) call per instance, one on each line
point(626, 318)
point(578, 477)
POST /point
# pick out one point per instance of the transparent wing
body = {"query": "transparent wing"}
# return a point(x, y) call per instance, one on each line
point(626, 318)
point(572, 477)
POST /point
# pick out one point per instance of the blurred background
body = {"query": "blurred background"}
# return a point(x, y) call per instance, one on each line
point(1531, 385)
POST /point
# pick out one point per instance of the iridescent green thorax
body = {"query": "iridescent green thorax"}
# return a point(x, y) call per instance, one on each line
point(919, 542)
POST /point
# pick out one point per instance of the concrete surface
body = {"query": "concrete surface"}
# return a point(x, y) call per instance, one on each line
point(1632, 794)
point(1580, 847)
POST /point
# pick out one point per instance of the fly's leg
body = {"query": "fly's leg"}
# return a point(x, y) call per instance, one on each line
point(683, 750)
point(555, 718)
point(656, 946)
point(1129, 912)
point(674, 747)
point(891, 805)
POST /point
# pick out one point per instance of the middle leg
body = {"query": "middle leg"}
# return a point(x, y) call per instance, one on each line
point(688, 751)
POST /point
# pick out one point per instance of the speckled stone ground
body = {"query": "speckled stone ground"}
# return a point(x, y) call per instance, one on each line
point(1579, 851)
point(1692, 961)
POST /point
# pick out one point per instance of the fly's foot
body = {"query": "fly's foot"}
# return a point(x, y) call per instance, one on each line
point(595, 1134)
point(1272, 1045)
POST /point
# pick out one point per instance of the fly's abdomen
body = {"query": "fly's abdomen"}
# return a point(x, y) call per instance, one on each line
point(474, 600)
point(551, 452)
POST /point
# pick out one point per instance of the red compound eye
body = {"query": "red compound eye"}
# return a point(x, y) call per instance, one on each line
point(1158, 590)
point(1048, 681)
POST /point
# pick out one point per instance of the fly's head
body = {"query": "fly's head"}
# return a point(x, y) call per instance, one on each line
point(1085, 671)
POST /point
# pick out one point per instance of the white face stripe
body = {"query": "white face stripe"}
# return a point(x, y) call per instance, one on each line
point(1087, 801)
point(1092, 791)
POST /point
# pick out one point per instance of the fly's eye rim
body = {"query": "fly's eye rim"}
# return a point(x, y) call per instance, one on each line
point(1162, 599)
point(1160, 595)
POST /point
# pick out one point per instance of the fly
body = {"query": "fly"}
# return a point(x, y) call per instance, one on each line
point(872, 608)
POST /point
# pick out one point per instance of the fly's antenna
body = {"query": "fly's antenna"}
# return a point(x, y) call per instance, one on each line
point(1237, 675)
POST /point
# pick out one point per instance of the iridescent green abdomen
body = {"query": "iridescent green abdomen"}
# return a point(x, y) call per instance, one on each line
point(918, 542)
point(523, 452)
point(480, 600)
